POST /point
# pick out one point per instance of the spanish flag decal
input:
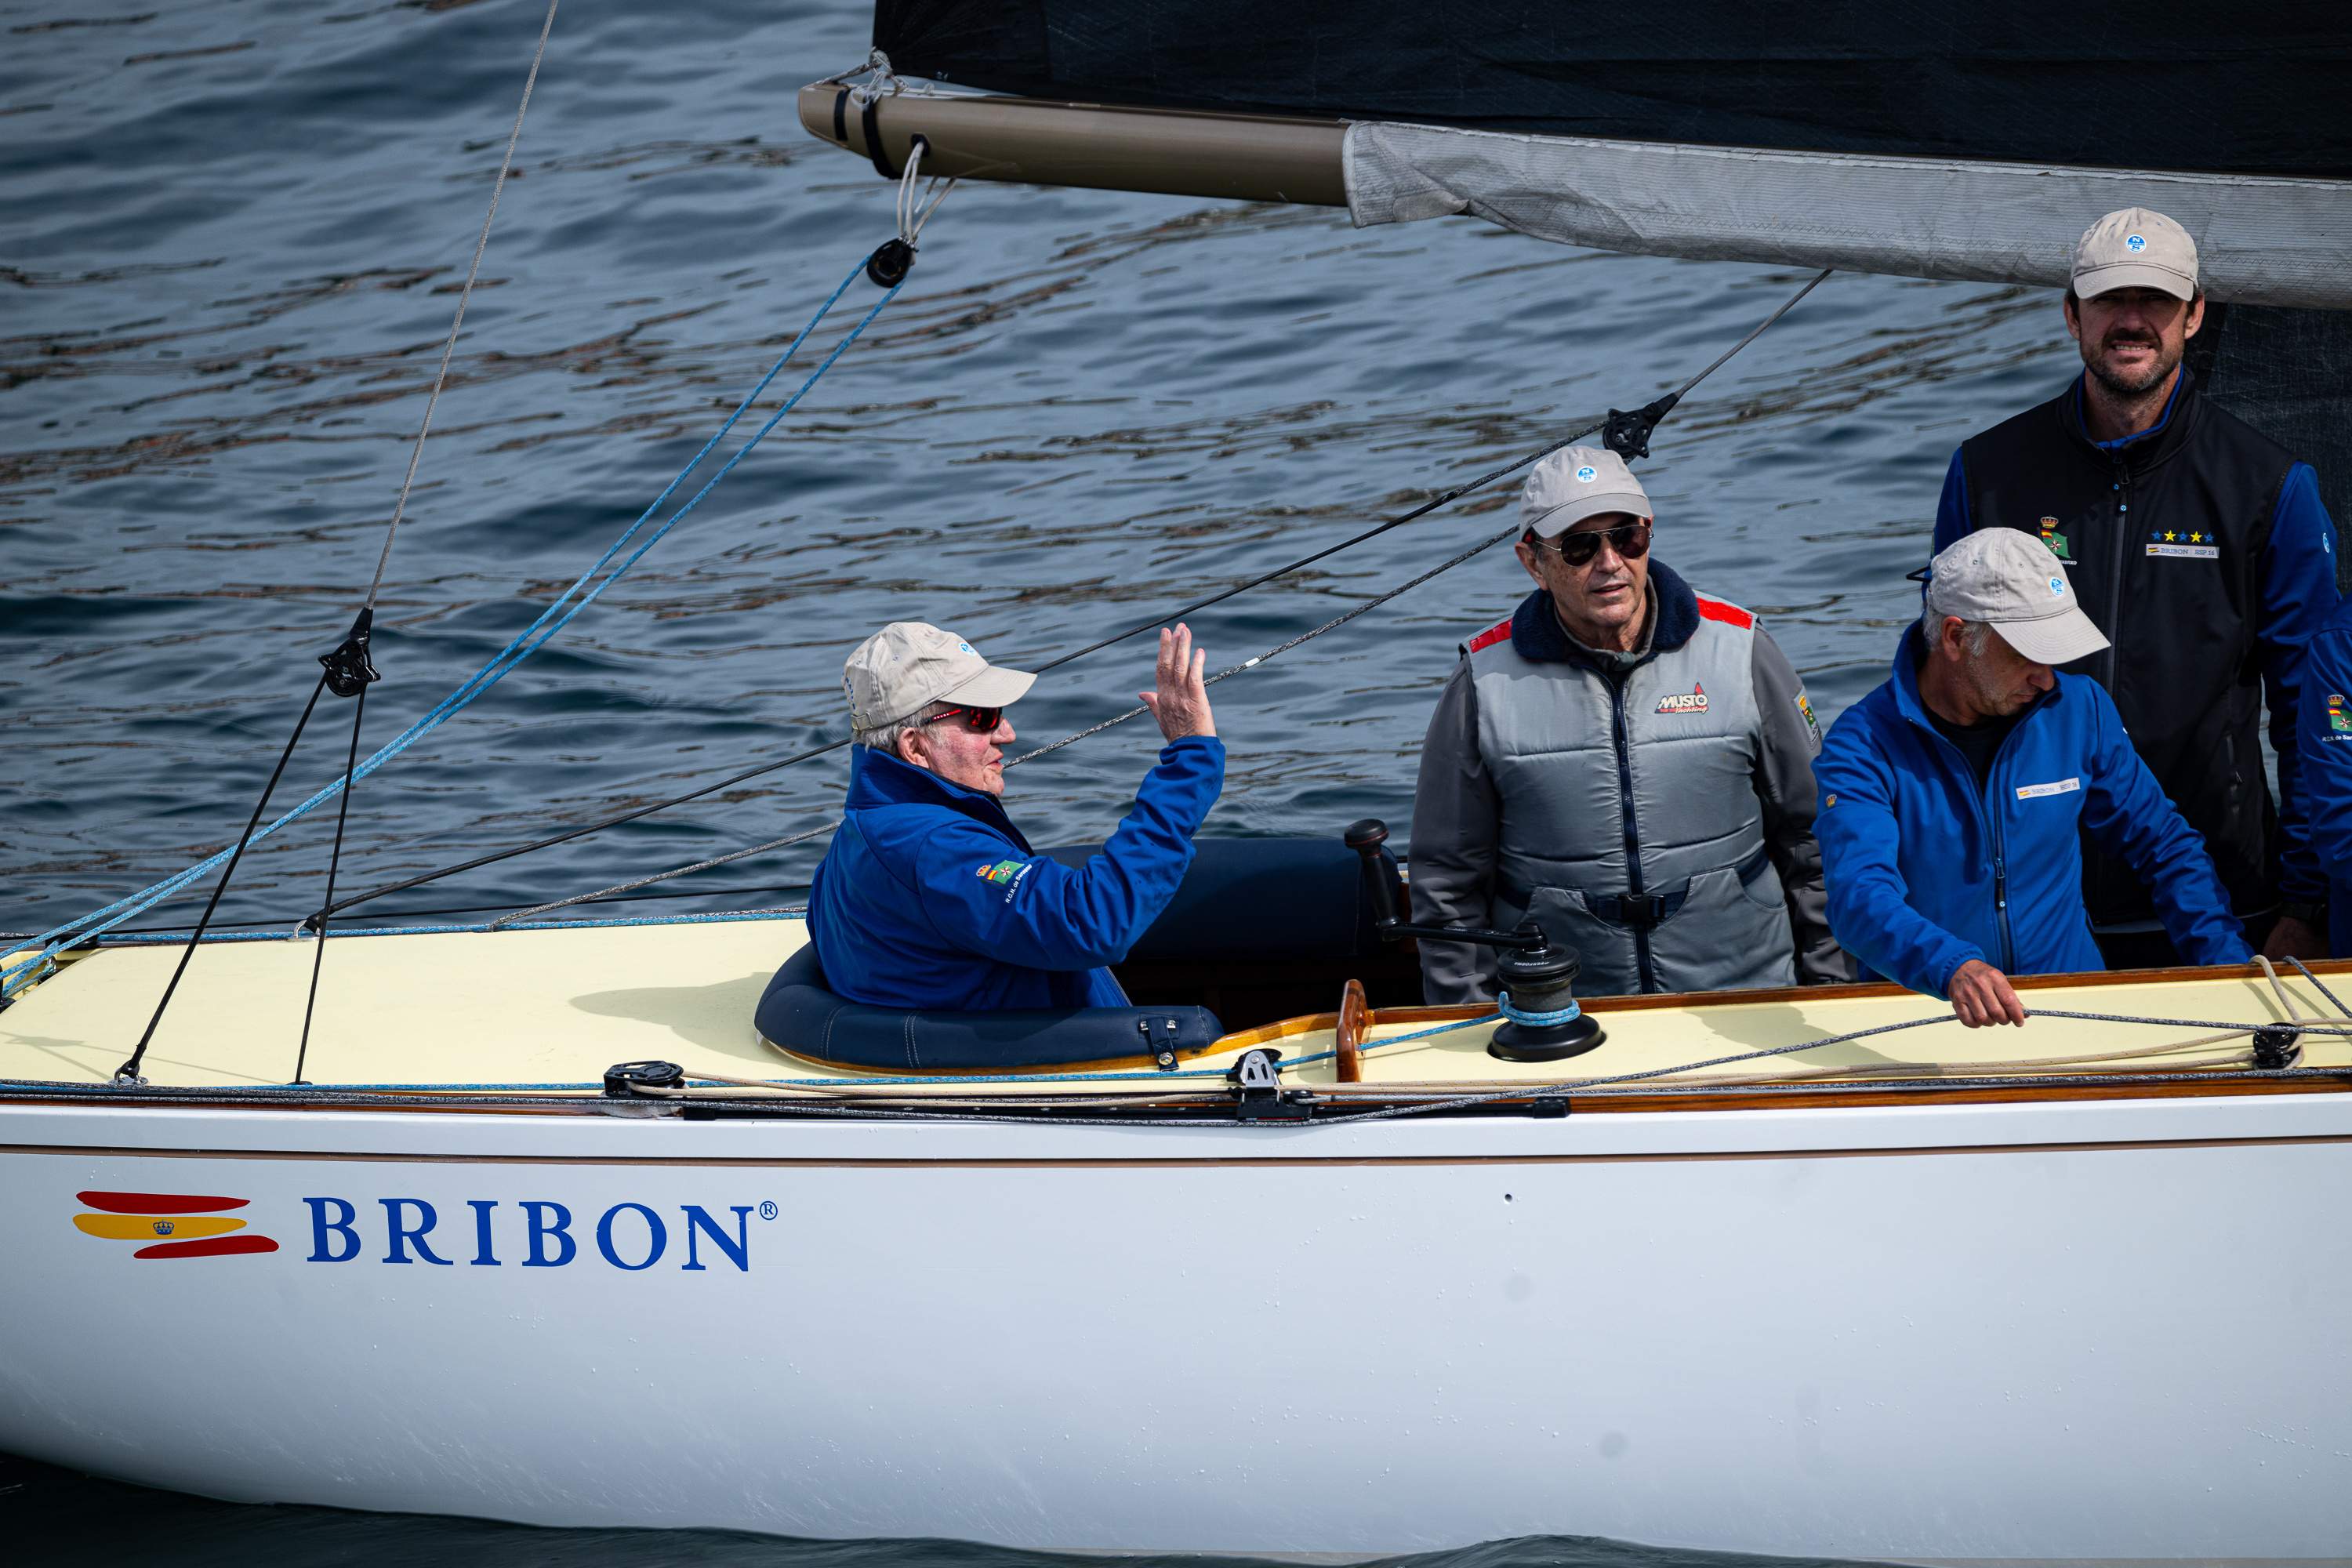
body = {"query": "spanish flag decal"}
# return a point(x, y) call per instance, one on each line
point(175, 1225)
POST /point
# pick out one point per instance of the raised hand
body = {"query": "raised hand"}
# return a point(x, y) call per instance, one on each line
point(1181, 702)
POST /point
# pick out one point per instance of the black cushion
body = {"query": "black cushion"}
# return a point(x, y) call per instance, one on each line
point(800, 1016)
point(1263, 899)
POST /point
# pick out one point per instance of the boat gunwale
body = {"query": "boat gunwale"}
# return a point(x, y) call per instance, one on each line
point(1987, 1089)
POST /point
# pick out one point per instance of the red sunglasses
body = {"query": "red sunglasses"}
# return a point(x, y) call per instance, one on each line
point(979, 720)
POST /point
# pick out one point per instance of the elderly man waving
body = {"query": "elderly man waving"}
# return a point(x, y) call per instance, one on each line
point(1956, 796)
point(1625, 760)
point(929, 897)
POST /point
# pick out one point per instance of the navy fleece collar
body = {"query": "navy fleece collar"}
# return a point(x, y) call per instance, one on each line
point(877, 778)
point(1536, 634)
point(2149, 444)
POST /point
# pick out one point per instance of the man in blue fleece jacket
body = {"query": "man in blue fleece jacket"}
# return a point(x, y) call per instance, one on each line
point(929, 897)
point(1955, 798)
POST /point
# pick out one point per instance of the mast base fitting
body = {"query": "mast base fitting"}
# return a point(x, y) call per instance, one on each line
point(890, 263)
point(624, 1080)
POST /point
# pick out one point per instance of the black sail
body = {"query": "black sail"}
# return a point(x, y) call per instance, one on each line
point(2155, 84)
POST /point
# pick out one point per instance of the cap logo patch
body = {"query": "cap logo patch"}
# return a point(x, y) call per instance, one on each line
point(1588, 473)
point(1691, 702)
point(2134, 242)
point(963, 648)
point(2058, 586)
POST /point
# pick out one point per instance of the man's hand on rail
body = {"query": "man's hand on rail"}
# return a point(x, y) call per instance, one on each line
point(1982, 994)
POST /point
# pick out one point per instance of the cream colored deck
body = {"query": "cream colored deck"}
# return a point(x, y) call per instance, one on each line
point(560, 1006)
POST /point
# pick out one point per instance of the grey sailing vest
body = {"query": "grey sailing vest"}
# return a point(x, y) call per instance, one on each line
point(1630, 827)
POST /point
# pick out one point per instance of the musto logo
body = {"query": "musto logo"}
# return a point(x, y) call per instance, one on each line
point(175, 1225)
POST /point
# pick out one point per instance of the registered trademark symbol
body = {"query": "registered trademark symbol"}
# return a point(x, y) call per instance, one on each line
point(768, 1210)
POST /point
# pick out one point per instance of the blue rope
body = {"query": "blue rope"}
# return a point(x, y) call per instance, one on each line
point(1398, 1040)
point(523, 647)
point(1567, 1015)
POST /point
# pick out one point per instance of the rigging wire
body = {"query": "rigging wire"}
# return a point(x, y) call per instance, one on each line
point(345, 671)
point(1332, 624)
point(441, 376)
point(334, 862)
point(566, 606)
point(128, 1073)
point(1651, 414)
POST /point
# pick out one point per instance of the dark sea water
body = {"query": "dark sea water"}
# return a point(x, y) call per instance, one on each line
point(230, 241)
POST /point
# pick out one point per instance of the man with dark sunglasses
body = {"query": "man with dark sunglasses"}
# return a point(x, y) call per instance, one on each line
point(929, 897)
point(1625, 760)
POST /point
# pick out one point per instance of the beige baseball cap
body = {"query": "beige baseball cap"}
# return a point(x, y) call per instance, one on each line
point(2135, 248)
point(907, 665)
point(1567, 487)
point(2010, 580)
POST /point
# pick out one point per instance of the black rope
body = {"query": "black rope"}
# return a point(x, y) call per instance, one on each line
point(2322, 984)
point(1644, 419)
point(128, 1071)
point(335, 861)
point(549, 842)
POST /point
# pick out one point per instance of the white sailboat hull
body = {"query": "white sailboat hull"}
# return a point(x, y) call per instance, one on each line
point(2097, 1328)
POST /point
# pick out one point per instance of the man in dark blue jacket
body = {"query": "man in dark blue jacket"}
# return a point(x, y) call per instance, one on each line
point(929, 897)
point(1954, 797)
point(2201, 550)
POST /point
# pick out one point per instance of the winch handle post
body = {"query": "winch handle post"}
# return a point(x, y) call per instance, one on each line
point(1544, 1023)
point(1365, 837)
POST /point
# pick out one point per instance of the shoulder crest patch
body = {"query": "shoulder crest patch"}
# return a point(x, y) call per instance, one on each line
point(1491, 636)
point(1729, 614)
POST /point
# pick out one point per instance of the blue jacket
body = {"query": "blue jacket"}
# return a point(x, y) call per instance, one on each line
point(2190, 633)
point(929, 897)
point(2324, 743)
point(1926, 871)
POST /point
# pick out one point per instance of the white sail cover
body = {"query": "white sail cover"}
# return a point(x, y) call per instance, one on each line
point(2259, 240)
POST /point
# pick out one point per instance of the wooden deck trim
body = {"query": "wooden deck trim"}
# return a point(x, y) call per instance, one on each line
point(1165, 1162)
